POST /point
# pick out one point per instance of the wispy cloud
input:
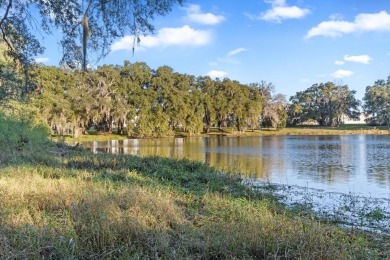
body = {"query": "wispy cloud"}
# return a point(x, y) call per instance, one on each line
point(281, 11)
point(363, 23)
point(217, 74)
point(230, 57)
point(166, 37)
point(42, 60)
point(365, 59)
point(236, 51)
point(341, 74)
point(195, 14)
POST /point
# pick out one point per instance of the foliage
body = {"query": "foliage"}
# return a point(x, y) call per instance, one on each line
point(10, 80)
point(20, 137)
point(10, 84)
point(325, 103)
point(146, 102)
point(273, 108)
point(377, 103)
point(94, 24)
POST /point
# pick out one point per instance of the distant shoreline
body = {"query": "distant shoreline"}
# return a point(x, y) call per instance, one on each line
point(296, 131)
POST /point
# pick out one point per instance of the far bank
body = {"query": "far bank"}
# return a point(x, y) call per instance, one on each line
point(228, 131)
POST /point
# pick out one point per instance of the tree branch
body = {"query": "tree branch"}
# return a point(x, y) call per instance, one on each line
point(1, 25)
point(5, 40)
point(6, 13)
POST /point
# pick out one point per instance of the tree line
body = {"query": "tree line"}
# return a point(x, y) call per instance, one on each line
point(141, 102)
point(149, 103)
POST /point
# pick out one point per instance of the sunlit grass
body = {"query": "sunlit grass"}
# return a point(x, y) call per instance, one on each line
point(230, 131)
point(80, 205)
point(89, 137)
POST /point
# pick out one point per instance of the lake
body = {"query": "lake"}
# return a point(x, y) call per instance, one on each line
point(357, 164)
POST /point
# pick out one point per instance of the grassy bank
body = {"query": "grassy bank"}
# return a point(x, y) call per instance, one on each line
point(298, 130)
point(69, 203)
point(59, 202)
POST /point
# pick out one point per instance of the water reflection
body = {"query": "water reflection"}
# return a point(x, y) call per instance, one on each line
point(349, 163)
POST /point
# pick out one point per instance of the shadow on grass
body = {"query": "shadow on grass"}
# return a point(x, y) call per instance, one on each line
point(71, 203)
point(184, 175)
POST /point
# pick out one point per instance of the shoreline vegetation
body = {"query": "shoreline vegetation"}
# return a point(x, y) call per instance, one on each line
point(292, 130)
point(61, 202)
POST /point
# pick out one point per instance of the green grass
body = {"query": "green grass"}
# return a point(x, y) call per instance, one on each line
point(75, 204)
point(89, 137)
point(228, 131)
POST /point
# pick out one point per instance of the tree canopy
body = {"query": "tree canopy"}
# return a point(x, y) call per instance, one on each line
point(377, 103)
point(147, 102)
point(92, 25)
point(324, 103)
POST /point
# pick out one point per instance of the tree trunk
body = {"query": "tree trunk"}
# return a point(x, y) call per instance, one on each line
point(238, 125)
point(76, 132)
point(219, 125)
point(207, 120)
point(120, 127)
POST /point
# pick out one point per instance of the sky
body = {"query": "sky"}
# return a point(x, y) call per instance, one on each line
point(290, 43)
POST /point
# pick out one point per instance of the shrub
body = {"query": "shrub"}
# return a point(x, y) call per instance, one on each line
point(20, 137)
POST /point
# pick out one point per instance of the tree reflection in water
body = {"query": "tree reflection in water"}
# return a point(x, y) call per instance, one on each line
point(348, 163)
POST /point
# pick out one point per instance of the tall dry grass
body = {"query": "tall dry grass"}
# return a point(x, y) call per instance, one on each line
point(127, 209)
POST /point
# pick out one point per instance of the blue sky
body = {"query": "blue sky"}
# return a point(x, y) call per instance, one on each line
point(291, 43)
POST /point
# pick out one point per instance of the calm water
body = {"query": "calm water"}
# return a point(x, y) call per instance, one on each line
point(349, 163)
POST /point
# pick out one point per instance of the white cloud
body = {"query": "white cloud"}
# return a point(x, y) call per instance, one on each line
point(195, 14)
point(182, 36)
point(41, 60)
point(281, 11)
point(217, 74)
point(363, 23)
point(236, 51)
point(331, 29)
point(341, 74)
point(365, 59)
